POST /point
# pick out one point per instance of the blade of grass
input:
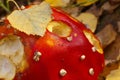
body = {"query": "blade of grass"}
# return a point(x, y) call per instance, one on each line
point(4, 7)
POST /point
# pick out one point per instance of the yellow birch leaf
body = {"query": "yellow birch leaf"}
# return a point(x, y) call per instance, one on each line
point(89, 20)
point(86, 2)
point(33, 20)
point(58, 3)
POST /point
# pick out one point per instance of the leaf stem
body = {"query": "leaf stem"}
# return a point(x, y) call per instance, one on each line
point(14, 3)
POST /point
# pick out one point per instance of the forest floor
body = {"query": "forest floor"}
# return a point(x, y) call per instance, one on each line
point(107, 28)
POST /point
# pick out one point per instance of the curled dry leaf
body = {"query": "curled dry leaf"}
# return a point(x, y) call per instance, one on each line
point(95, 10)
point(32, 20)
point(114, 75)
point(58, 3)
point(107, 35)
point(112, 52)
point(89, 20)
point(12, 48)
point(7, 69)
point(86, 2)
point(118, 23)
point(11, 55)
point(108, 7)
point(114, 2)
point(111, 66)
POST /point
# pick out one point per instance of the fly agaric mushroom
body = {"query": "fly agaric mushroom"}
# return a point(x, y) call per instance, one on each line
point(67, 51)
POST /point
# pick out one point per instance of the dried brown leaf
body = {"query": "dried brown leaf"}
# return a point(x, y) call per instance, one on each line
point(107, 35)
